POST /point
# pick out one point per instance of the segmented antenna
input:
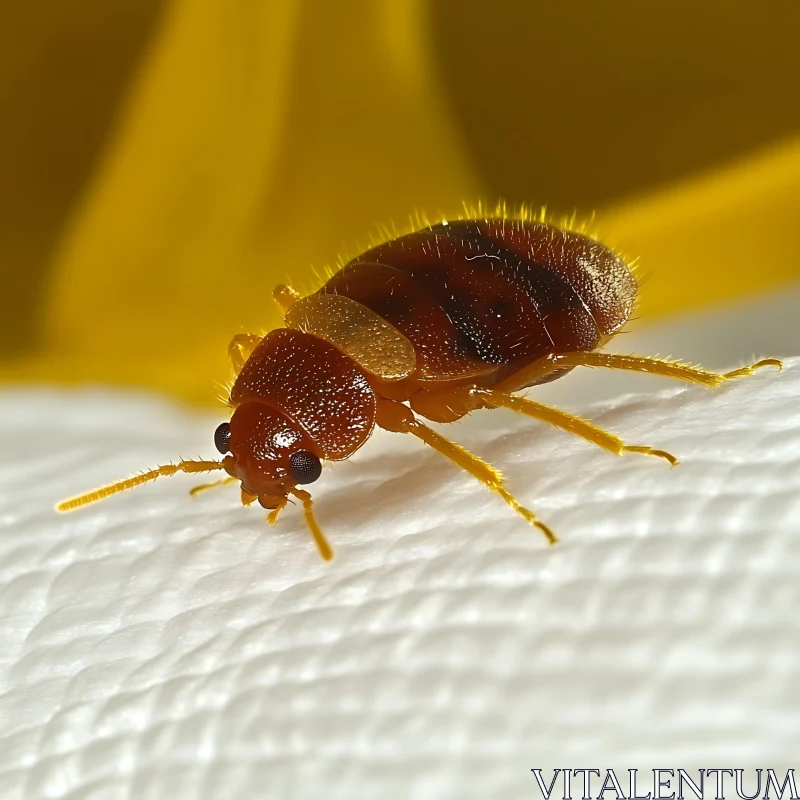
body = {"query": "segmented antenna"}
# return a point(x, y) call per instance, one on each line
point(136, 480)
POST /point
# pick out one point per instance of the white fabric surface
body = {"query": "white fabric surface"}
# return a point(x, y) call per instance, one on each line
point(157, 646)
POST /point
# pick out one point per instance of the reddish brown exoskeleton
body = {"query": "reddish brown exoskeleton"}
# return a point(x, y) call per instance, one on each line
point(435, 324)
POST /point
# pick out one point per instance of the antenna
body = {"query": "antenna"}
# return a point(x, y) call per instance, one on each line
point(70, 504)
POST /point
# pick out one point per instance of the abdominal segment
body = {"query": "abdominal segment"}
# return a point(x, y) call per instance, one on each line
point(486, 297)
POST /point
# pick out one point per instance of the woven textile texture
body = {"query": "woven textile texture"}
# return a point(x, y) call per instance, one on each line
point(157, 646)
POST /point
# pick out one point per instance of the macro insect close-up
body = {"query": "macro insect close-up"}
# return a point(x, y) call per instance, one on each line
point(437, 323)
point(399, 399)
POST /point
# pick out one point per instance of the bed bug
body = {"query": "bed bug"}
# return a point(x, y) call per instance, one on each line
point(434, 324)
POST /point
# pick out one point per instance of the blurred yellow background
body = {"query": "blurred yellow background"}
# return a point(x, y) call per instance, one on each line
point(164, 164)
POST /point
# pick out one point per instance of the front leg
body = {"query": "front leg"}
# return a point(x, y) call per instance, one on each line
point(240, 348)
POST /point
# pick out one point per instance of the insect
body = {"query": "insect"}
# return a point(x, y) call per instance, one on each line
point(433, 324)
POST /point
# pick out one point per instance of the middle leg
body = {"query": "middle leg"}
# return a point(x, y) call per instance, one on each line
point(394, 416)
point(567, 422)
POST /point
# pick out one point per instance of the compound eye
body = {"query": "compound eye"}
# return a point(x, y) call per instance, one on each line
point(222, 437)
point(304, 467)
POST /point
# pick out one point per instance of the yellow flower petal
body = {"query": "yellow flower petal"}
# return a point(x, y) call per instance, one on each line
point(714, 238)
point(257, 147)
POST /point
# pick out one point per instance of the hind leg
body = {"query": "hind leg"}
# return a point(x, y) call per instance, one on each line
point(529, 375)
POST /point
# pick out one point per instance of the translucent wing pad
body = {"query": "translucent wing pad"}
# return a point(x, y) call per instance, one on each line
point(370, 341)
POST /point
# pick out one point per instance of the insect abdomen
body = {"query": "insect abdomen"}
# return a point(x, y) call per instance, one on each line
point(476, 295)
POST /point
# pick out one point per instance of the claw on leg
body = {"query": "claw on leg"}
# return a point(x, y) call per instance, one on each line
point(525, 513)
point(650, 451)
point(749, 370)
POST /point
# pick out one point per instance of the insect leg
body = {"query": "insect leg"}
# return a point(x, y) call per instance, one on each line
point(653, 366)
point(204, 487)
point(567, 422)
point(325, 550)
point(285, 297)
point(396, 417)
point(240, 348)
